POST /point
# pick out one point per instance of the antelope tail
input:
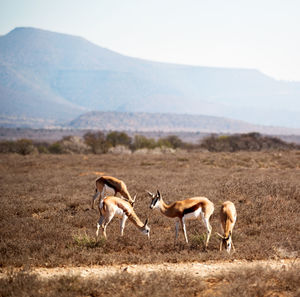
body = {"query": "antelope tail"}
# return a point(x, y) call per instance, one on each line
point(96, 195)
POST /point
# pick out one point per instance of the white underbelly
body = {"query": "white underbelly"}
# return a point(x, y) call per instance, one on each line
point(234, 220)
point(108, 190)
point(193, 215)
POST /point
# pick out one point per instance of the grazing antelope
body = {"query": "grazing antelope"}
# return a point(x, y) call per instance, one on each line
point(187, 209)
point(113, 183)
point(115, 206)
point(228, 218)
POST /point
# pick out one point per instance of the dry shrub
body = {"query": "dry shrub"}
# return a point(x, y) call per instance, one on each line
point(74, 144)
point(21, 146)
point(245, 142)
point(119, 149)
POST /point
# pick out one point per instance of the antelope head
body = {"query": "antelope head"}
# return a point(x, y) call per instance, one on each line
point(226, 241)
point(155, 199)
point(146, 229)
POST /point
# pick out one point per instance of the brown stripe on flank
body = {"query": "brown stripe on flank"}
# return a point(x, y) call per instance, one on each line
point(192, 209)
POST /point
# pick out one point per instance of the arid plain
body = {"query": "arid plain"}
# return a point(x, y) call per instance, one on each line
point(46, 220)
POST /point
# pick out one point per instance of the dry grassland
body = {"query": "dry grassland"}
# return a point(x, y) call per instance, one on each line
point(46, 219)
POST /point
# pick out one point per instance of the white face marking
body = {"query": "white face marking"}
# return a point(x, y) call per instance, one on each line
point(193, 215)
point(156, 205)
point(146, 230)
point(228, 248)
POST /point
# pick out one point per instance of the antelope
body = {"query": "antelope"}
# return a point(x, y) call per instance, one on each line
point(113, 183)
point(187, 209)
point(228, 218)
point(115, 206)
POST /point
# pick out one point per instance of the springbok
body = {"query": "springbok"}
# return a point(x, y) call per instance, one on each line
point(228, 218)
point(187, 209)
point(115, 206)
point(113, 183)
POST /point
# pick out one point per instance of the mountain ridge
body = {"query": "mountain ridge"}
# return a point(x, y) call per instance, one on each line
point(156, 122)
point(58, 76)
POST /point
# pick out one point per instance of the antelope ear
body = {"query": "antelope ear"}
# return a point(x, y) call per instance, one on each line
point(158, 193)
point(150, 194)
point(146, 222)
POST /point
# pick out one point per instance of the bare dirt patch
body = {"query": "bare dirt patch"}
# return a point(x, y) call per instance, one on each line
point(195, 269)
point(236, 278)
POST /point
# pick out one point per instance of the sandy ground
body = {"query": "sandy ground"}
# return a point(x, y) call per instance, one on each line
point(197, 269)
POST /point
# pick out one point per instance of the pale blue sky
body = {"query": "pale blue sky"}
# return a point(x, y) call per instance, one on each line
point(260, 34)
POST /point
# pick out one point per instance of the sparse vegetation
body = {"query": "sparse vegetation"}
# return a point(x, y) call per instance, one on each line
point(46, 221)
point(87, 241)
point(256, 281)
point(46, 198)
point(244, 142)
point(116, 138)
point(141, 142)
point(99, 143)
point(56, 148)
point(21, 146)
point(96, 141)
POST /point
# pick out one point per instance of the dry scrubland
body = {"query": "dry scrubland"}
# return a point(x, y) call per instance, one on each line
point(46, 219)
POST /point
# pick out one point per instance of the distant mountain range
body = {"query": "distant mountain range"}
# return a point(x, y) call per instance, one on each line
point(47, 78)
point(146, 122)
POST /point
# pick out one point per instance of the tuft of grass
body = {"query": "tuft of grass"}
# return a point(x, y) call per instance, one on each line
point(182, 159)
point(86, 241)
point(197, 240)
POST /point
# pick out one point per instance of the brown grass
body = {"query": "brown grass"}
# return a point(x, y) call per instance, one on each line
point(257, 281)
point(46, 220)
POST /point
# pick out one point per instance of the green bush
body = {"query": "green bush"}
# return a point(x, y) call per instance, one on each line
point(25, 146)
point(96, 141)
point(42, 149)
point(7, 147)
point(21, 146)
point(141, 141)
point(172, 141)
point(118, 138)
point(56, 148)
point(244, 142)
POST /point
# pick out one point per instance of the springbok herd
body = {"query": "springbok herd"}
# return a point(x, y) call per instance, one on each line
point(188, 209)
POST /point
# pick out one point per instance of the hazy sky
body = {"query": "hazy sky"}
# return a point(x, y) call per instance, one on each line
point(261, 34)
